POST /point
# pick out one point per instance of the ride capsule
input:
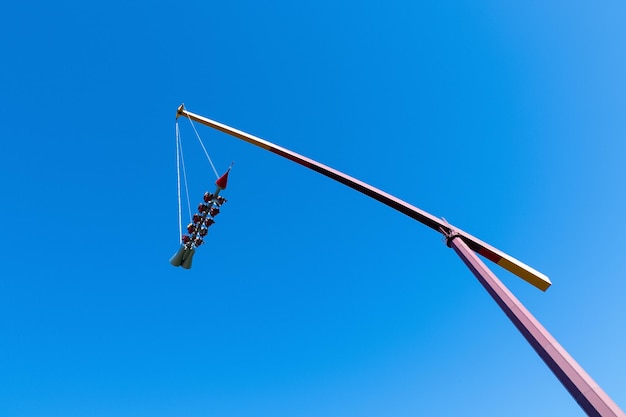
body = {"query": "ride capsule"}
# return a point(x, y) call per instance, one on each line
point(200, 223)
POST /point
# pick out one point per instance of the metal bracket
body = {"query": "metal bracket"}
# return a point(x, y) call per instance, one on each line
point(449, 233)
point(180, 110)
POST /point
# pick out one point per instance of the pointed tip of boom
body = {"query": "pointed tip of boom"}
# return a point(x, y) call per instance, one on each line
point(180, 110)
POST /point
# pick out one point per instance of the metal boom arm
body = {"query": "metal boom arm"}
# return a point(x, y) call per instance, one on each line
point(509, 263)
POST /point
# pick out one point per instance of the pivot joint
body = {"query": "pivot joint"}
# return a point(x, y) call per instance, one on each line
point(448, 233)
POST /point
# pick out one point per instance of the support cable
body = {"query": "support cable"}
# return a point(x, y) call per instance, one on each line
point(182, 159)
point(180, 216)
point(203, 148)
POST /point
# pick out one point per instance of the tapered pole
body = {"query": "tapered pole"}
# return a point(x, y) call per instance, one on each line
point(591, 398)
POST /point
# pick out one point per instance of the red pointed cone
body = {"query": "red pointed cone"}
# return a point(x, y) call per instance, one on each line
point(223, 180)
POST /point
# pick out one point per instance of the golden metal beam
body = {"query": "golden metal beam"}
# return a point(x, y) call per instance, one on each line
point(507, 262)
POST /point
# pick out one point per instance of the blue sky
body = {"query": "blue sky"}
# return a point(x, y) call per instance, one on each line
point(308, 299)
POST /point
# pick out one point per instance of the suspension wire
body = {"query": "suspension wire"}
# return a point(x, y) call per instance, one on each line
point(180, 216)
point(182, 159)
point(202, 144)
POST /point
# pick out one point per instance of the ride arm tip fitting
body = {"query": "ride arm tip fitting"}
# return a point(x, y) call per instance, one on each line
point(180, 110)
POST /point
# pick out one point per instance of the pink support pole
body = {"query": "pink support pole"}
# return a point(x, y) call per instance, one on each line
point(592, 399)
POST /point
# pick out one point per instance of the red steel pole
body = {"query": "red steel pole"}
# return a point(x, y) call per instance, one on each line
point(591, 398)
